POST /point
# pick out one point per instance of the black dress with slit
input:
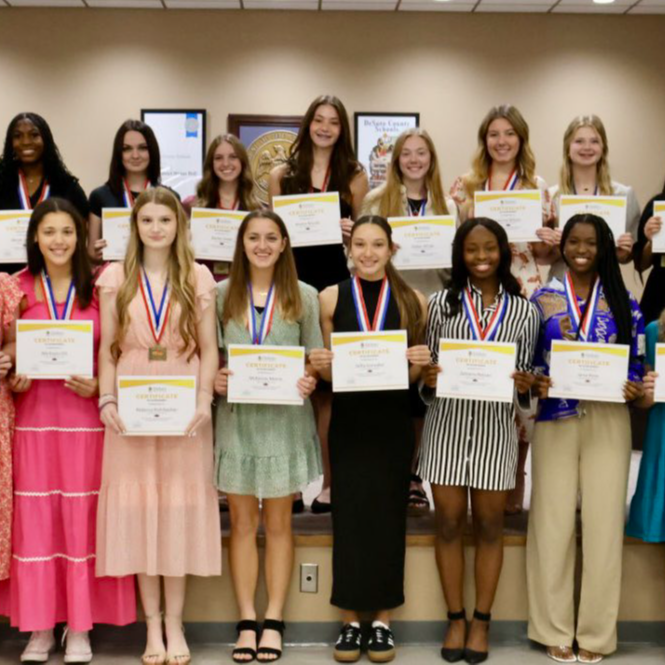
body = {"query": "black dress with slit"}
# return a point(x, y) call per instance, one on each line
point(371, 446)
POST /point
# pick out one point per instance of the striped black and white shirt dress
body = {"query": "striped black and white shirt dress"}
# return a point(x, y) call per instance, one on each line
point(468, 442)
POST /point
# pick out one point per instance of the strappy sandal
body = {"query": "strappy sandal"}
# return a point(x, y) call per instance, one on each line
point(471, 656)
point(454, 655)
point(183, 658)
point(158, 657)
point(270, 654)
point(245, 624)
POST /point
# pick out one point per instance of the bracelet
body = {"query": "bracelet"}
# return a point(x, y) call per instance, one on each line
point(105, 400)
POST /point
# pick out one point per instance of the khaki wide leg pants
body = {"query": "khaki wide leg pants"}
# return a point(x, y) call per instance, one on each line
point(590, 454)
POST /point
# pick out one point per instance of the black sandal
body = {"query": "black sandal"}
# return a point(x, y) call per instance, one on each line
point(245, 624)
point(471, 656)
point(454, 655)
point(278, 626)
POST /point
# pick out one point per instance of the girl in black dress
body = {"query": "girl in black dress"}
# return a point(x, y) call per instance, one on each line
point(371, 446)
point(322, 160)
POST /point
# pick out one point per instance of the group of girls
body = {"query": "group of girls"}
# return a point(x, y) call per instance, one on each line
point(93, 507)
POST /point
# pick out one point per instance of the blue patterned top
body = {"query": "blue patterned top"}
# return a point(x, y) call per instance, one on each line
point(556, 322)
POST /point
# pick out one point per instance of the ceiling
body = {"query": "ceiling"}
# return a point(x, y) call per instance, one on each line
point(520, 6)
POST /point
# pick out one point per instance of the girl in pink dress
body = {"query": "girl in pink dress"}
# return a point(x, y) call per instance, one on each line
point(158, 511)
point(57, 460)
point(10, 296)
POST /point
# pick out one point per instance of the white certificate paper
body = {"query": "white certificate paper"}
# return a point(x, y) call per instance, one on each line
point(115, 230)
point(311, 219)
point(588, 371)
point(424, 242)
point(13, 230)
point(659, 393)
point(48, 349)
point(214, 233)
point(611, 208)
point(369, 361)
point(519, 211)
point(265, 374)
point(156, 405)
point(658, 241)
point(476, 370)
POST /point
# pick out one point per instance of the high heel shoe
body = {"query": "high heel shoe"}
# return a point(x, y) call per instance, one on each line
point(454, 655)
point(471, 656)
point(245, 624)
point(156, 657)
point(271, 653)
point(183, 658)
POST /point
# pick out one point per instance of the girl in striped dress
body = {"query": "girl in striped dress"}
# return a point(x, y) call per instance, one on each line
point(470, 446)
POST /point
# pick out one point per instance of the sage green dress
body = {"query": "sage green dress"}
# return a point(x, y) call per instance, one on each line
point(268, 451)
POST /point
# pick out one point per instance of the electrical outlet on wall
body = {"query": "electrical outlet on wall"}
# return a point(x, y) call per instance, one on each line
point(309, 578)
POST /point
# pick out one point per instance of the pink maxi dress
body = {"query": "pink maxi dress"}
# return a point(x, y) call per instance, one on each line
point(58, 447)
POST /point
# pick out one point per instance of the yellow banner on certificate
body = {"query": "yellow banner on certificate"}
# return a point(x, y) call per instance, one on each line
point(83, 326)
point(523, 195)
point(258, 351)
point(563, 346)
point(449, 345)
point(281, 201)
point(441, 220)
point(157, 381)
point(398, 337)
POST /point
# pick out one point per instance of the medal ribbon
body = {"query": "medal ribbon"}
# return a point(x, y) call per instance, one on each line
point(361, 309)
point(24, 194)
point(49, 297)
point(511, 183)
point(258, 335)
point(235, 206)
point(488, 333)
point(585, 327)
point(419, 213)
point(155, 319)
point(326, 181)
point(127, 193)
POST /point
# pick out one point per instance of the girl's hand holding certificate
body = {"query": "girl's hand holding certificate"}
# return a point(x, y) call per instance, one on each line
point(111, 418)
point(306, 385)
point(221, 384)
point(523, 381)
point(632, 390)
point(20, 383)
point(5, 364)
point(82, 386)
point(419, 356)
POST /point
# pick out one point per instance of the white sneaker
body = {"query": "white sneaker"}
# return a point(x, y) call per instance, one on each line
point(39, 647)
point(78, 646)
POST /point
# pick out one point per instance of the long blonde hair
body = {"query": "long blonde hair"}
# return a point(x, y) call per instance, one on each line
point(525, 161)
point(391, 204)
point(566, 184)
point(180, 272)
point(285, 276)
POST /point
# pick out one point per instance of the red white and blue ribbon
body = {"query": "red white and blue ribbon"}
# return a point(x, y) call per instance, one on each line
point(361, 309)
point(49, 297)
point(258, 334)
point(511, 183)
point(583, 328)
point(24, 193)
point(488, 333)
point(157, 316)
point(127, 193)
point(418, 213)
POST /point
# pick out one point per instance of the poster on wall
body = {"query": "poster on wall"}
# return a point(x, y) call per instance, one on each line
point(375, 137)
point(268, 139)
point(181, 134)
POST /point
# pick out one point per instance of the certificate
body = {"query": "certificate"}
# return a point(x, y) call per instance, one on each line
point(115, 230)
point(311, 219)
point(13, 230)
point(611, 208)
point(520, 212)
point(265, 374)
point(583, 370)
point(49, 349)
point(156, 405)
point(214, 233)
point(476, 370)
point(659, 393)
point(424, 242)
point(658, 241)
point(369, 361)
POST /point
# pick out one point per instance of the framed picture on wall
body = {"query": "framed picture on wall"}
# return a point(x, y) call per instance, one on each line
point(375, 137)
point(268, 139)
point(181, 134)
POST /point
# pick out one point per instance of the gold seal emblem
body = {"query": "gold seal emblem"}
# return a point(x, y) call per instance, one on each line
point(269, 150)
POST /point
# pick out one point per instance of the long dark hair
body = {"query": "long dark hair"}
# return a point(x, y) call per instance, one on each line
point(411, 314)
point(343, 164)
point(55, 170)
point(460, 273)
point(81, 270)
point(285, 276)
point(609, 272)
point(117, 170)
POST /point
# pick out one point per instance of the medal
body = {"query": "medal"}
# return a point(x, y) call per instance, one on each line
point(488, 333)
point(511, 183)
point(24, 194)
point(259, 334)
point(155, 319)
point(127, 193)
point(584, 327)
point(49, 297)
point(361, 309)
